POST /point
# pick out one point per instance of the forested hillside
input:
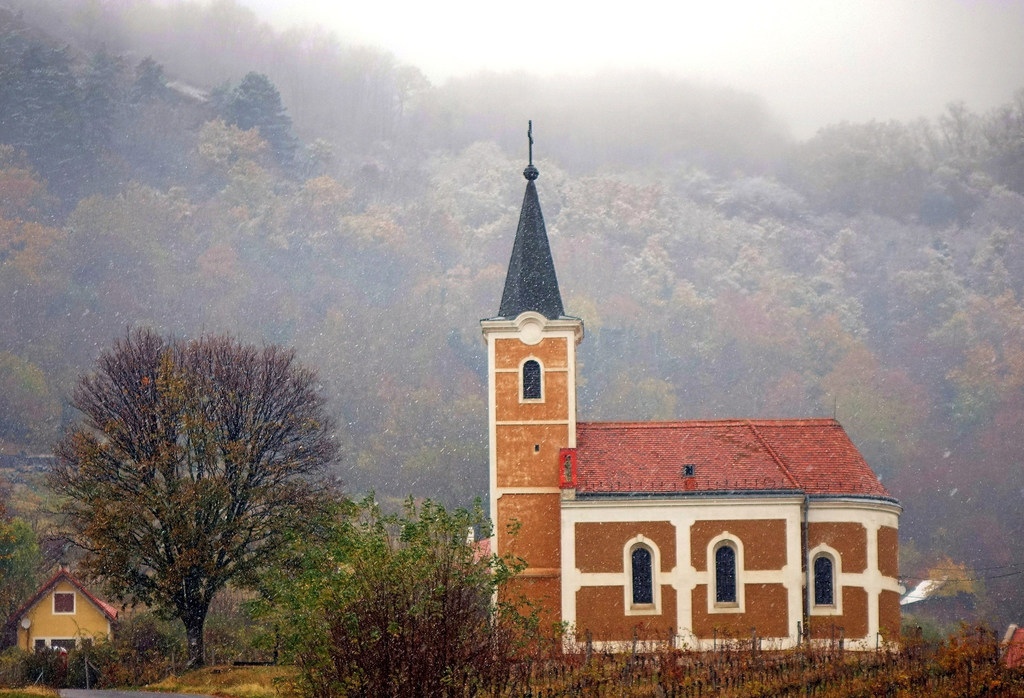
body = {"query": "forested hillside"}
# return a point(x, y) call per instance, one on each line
point(189, 169)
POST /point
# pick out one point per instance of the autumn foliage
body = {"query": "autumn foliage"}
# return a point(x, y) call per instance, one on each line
point(205, 171)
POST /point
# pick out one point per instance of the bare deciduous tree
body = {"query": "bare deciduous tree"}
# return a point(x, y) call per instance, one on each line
point(193, 460)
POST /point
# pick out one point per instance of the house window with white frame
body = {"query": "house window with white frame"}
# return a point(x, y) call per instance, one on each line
point(64, 602)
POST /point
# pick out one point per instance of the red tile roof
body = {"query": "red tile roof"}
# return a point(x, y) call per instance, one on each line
point(109, 611)
point(799, 455)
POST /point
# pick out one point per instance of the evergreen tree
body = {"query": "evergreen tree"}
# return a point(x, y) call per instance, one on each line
point(40, 114)
point(150, 81)
point(256, 103)
point(102, 105)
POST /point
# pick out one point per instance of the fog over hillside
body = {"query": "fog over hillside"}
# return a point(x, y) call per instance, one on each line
point(743, 244)
point(813, 63)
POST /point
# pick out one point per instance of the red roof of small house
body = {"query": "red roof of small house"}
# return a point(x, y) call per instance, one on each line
point(1013, 647)
point(481, 549)
point(813, 456)
point(109, 611)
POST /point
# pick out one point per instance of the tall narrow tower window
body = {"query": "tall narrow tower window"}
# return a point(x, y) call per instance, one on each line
point(531, 380)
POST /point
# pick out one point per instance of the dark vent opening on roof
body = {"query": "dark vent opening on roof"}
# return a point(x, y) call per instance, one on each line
point(688, 470)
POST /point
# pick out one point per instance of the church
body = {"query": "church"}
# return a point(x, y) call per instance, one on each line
point(694, 533)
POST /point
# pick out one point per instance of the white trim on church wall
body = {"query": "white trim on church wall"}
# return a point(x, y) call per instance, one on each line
point(492, 438)
point(528, 490)
point(872, 514)
point(683, 512)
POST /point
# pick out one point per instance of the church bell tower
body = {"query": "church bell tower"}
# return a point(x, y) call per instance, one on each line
point(531, 358)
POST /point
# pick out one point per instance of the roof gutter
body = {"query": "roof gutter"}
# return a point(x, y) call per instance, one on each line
point(838, 497)
point(690, 494)
point(698, 494)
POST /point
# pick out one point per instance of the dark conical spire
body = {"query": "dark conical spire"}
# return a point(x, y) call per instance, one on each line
point(531, 282)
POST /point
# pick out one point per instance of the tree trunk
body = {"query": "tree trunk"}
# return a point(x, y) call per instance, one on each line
point(195, 621)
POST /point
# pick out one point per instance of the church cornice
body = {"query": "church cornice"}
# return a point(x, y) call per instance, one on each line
point(532, 326)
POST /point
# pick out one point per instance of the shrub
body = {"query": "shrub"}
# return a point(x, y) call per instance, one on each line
point(48, 667)
point(12, 667)
point(145, 649)
point(396, 605)
point(232, 634)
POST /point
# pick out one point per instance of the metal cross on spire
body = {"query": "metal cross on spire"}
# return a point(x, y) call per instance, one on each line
point(529, 134)
point(531, 172)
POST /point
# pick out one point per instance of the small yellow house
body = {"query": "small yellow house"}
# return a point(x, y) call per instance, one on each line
point(62, 613)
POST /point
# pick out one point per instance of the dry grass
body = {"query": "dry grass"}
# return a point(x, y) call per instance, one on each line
point(232, 682)
point(28, 692)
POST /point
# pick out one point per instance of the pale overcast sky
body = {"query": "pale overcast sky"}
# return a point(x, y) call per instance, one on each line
point(813, 61)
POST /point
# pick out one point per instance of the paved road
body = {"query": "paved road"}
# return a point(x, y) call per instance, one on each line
point(82, 693)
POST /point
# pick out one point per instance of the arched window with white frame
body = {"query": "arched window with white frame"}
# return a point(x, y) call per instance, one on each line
point(824, 580)
point(641, 566)
point(725, 573)
point(824, 589)
point(642, 570)
point(532, 386)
